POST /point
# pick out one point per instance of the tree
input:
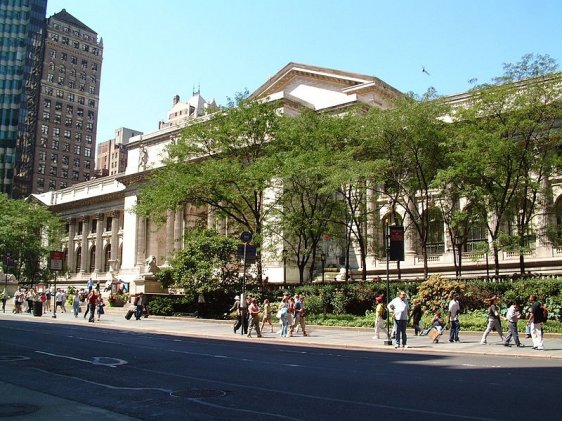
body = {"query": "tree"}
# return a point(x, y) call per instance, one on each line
point(307, 201)
point(223, 163)
point(506, 139)
point(408, 140)
point(28, 232)
point(206, 263)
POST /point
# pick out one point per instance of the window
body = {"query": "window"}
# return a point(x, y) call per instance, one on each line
point(94, 67)
point(74, 60)
point(65, 159)
point(41, 169)
point(64, 184)
point(91, 103)
point(92, 89)
point(93, 79)
point(68, 122)
point(60, 93)
point(54, 158)
point(51, 66)
point(44, 129)
point(94, 225)
point(79, 257)
point(58, 106)
point(60, 80)
point(73, 72)
point(79, 125)
point(52, 185)
point(87, 152)
point(78, 137)
point(65, 40)
point(67, 134)
point(47, 103)
point(55, 145)
point(75, 44)
point(56, 119)
point(46, 115)
point(66, 147)
point(56, 132)
point(77, 149)
point(88, 139)
point(108, 223)
point(53, 171)
point(76, 162)
point(48, 91)
point(43, 142)
point(85, 64)
point(87, 165)
point(62, 69)
point(64, 56)
point(53, 54)
point(41, 183)
point(82, 76)
point(64, 173)
point(90, 127)
point(50, 78)
point(71, 96)
point(81, 100)
point(42, 155)
point(86, 176)
point(75, 175)
point(82, 87)
point(90, 115)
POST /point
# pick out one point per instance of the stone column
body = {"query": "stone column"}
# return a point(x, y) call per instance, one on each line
point(547, 213)
point(409, 236)
point(115, 215)
point(178, 229)
point(99, 243)
point(141, 241)
point(170, 238)
point(71, 255)
point(85, 251)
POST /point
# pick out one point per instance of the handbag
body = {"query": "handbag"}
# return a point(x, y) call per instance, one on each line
point(279, 314)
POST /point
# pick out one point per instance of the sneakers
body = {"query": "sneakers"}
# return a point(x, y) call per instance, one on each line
point(450, 340)
point(483, 343)
point(404, 346)
point(520, 346)
point(396, 346)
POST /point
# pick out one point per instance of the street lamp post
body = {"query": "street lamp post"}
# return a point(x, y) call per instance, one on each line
point(284, 252)
point(323, 260)
point(388, 340)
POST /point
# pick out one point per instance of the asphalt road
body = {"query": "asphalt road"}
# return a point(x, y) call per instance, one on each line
point(148, 376)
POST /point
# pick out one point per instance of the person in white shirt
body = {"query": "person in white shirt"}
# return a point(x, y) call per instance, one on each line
point(400, 308)
point(512, 317)
point(454, 310)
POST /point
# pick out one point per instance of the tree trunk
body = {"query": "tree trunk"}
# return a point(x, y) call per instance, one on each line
point(496, 258)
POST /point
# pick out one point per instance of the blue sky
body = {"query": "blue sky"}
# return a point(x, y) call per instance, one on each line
point(155, 49)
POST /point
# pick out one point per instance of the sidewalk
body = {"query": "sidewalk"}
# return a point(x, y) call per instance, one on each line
point(319, 336)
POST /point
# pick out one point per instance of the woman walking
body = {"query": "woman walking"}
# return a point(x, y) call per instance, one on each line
point(76, 303)
point(101, 305)
point(266, 315)
point(493, 319)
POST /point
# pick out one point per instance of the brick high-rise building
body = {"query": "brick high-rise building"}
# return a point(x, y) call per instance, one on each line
point(68, 105)
point(111, 157)
point(21, 46)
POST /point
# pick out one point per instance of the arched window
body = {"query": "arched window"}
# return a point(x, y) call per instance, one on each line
point(435, 232)
point(78, 259)
point(107, 258)
point(92, 259)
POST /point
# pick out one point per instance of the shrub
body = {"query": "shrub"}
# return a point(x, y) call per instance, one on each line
point(161, 306)
point(436, 292)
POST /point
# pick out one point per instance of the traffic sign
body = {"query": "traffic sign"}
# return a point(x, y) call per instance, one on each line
point(246, 236)
point(57, 258)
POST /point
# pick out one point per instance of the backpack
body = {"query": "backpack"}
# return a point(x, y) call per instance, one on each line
point(544, 313)
point(384, 314)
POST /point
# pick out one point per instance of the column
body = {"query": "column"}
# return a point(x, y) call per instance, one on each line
point(70, 256)
point(178, 222)
point(141, 241)
point(546, 211)
point(99, 242)
point(170, 239)
point(85, 251)
point(115, 215)
point(409, 236)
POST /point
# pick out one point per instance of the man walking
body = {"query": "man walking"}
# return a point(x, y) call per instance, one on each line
point(92, 301)
point(454, 310)
point(536, 320)
point(254, 311)
point(400, 308)
point(298, 319)
point(512, 317)
point(139, 306)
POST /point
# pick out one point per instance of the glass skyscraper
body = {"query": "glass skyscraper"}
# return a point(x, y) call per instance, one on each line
point(22, 28)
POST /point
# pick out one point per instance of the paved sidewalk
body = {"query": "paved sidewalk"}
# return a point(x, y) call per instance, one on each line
point(319, 336)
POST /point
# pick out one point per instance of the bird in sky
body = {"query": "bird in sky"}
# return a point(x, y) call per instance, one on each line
point(425, 71)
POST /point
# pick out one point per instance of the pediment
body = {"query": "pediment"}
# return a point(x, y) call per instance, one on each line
point(322, 88)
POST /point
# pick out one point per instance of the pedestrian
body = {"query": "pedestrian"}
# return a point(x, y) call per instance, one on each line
point(282, 314)
point(76, 303)
point(29, 299)
point(200, 306)
point(101, 305)
point(236, 307)
point(417, 313)
point(400, 308)
point(92, 301)
point(4, 299)
point(254, 315)
point(266, 315)
point(494, 322)
point(438, 322)
point(63, 301)
point(454, 322)
point(536, 321)
point(379, 317)
point(48, 295)
point(139, 305)
point(512, 316)
point(87, 303)
point(58, 299)
point(298, 315)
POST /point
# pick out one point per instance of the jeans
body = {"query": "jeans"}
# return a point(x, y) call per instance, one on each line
point(284, 325)
point(512, 334)
point(401, 331)
point(454, 333)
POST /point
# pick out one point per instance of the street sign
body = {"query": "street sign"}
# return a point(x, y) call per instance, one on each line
point(251, 252)
point(396, 243)
point(246, 236)
point(57, 258)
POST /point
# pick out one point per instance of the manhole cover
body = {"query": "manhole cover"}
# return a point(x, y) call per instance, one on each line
point(17, 409)
point(199, 393)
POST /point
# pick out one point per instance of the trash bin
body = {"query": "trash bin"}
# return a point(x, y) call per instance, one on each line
point(37, 308)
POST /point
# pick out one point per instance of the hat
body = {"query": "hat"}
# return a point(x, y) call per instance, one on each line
point(237, 297)
point(379, 299)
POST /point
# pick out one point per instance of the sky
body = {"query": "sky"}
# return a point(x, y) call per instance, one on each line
point(155, 49)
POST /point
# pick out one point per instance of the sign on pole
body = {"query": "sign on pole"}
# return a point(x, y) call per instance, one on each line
point(246, 236)
point(396, 240)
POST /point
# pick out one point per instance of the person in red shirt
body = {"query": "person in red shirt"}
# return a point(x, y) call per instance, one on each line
point(92, 301)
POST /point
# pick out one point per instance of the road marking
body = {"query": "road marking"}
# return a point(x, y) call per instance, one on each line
point(11, 358)
point(106, 361)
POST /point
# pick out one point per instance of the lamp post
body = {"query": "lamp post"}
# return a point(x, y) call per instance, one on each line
point(284, 252)
point(388, 340)
point(323, 260)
